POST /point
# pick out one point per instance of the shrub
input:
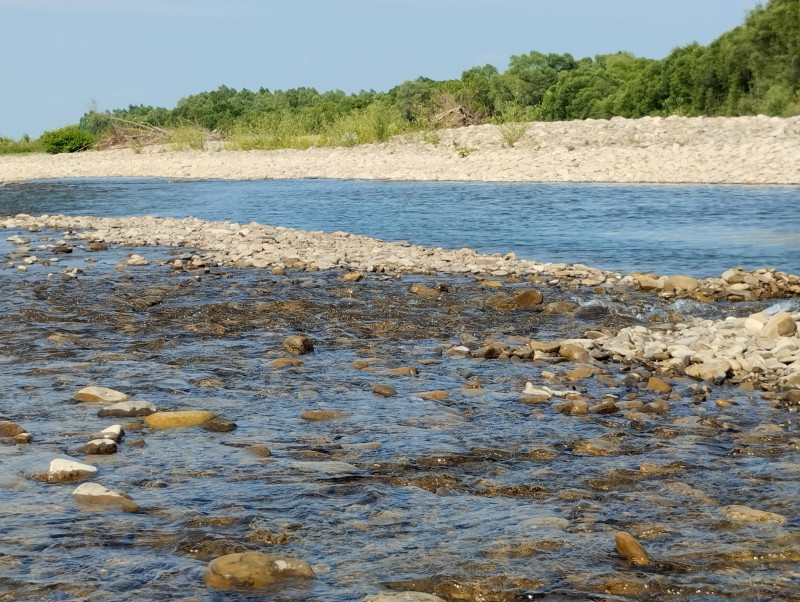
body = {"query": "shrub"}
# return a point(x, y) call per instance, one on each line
point(23, 145)
point(68, 139)
point(186, 137)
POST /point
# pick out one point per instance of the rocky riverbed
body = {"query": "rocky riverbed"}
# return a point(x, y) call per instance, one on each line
point(354, 419)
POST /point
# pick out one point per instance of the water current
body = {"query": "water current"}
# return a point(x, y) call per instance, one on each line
point(477, 496)
point(693, 230)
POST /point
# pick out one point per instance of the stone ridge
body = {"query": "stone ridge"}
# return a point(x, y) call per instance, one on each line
point(261, 246)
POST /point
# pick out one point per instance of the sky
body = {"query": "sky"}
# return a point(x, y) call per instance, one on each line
point(61, 58)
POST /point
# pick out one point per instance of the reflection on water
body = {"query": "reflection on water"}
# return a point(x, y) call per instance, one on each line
point(477, 496)
point(694, 230)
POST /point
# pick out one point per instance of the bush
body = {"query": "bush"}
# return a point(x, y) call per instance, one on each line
point(23, 145)
point(187, 137)
point(69, 139)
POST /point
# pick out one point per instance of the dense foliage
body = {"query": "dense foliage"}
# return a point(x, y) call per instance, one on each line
point(68, 139)
point(754, 68)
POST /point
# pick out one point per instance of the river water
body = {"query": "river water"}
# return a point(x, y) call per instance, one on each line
point(478, 496)
point(694, 230)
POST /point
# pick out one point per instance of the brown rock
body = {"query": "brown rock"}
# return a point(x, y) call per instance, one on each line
point(219, 425)
point(648, 283)
point(260, 450)
point(531, 399)
point(95, 495)
point(178, 419)
point(425, 292)
point(685, 283)
point(254, 570)
point(98, 246)
point(10, 429)
point(407, 370)
point(320, 415)
point(383, 390)
point(282, 362)
point(574, 353)
point(100, 447)
point(656, 384)
point(434, 395)
point(560, 307)
point(352, 277)
point(528, 299)
point(751, 515)
point(630, 549)
point(544, 346)
point(298, 344)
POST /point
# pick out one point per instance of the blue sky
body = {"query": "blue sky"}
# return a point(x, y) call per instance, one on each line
point(62, 57)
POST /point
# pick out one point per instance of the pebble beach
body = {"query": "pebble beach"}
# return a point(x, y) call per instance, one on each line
point(740, 150)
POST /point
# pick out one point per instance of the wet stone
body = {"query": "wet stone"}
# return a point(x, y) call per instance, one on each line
point(128, 409)
point(630, 549)
point(100, 447)
point(219, 425)
point(751, 515)
point(298, 344)
point(384, 390)
point(254, 570)
point(321, 415)
point(63, 470)
point(10, 429)
point(97, 394)
point(94, 495)
point(178, 419)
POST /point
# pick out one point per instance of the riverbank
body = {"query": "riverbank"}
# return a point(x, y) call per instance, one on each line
point(742, 150)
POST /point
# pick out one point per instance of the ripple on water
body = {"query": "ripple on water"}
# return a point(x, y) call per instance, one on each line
point(475, 493)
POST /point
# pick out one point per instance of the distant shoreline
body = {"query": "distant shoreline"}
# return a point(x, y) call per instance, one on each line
point(674, 150)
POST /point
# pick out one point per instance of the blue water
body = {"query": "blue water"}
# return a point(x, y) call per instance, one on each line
point(695, 230)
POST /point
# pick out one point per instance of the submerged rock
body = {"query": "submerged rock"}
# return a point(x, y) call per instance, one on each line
point(63, 470)
point(630, 549)
point(100, 447)
point(254, 570)
point(751, 515)
point(95, 495)
point(298, 344)
point(179, 418)
point(320, 415)
point(95, 394)
point(128, 409)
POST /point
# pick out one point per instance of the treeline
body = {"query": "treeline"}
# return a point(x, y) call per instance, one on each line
point(752, 69)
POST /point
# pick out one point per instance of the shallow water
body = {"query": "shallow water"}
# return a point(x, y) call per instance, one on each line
point(479, 497)
point(694, 230)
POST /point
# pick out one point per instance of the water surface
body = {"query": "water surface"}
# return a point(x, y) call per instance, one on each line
point(694, 230)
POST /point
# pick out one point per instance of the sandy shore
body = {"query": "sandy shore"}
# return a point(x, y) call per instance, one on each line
point(741, 150)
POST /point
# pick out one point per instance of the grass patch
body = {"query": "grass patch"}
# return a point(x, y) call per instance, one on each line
point(187, 137)
point(463, 151)
point(19, 147)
